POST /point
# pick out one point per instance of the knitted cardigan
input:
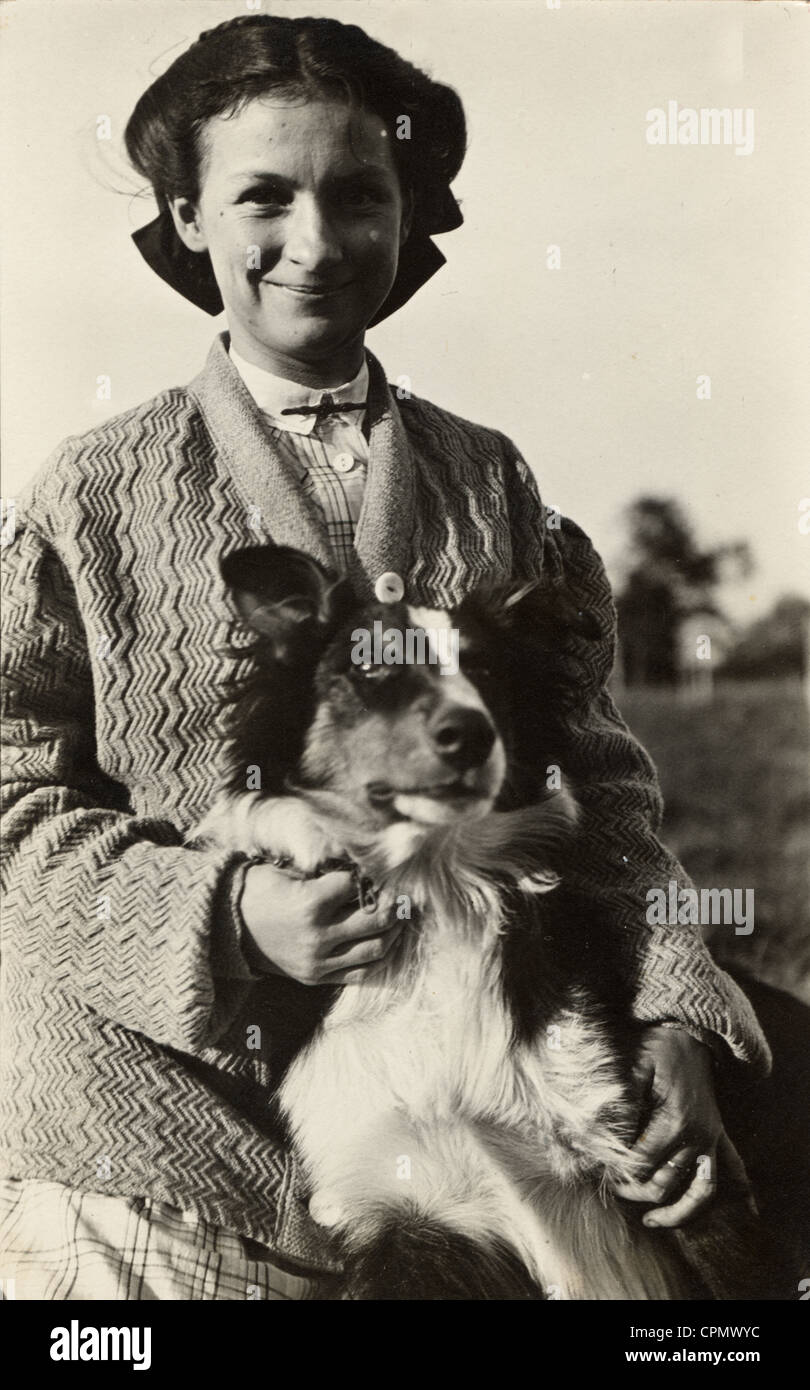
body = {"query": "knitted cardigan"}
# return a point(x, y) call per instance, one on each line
point(131, 1061)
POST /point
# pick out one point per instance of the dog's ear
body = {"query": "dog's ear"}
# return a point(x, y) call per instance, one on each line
point(286, 597)
point(535, 614)
point(551, 613)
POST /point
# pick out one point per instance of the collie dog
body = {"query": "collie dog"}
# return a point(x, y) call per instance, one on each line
point(463, 1114)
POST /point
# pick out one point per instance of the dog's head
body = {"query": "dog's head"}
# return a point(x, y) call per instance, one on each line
point(405, 712)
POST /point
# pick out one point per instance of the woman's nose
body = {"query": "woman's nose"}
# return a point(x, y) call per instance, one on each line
point(312, 239)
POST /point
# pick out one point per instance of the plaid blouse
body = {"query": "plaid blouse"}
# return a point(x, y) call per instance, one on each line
point(329, 458)
point(58, 1244)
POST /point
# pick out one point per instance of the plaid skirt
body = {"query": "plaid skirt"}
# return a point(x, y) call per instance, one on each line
point(57, 1243)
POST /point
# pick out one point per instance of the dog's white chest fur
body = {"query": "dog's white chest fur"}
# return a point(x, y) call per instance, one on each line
point(414, 1097)
point(435, 1029)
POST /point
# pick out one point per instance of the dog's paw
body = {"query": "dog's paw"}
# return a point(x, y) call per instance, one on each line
point(277, 827)
point(219, 828)
point(286, 828)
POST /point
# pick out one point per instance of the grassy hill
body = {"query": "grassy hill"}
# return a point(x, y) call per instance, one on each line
point(735, 774)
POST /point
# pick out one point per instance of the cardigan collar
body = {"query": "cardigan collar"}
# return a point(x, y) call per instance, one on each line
point(266, 480)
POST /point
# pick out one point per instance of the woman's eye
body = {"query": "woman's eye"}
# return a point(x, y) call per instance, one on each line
point(265, 197)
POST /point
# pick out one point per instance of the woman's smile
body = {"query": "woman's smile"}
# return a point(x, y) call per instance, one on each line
point(309, 291)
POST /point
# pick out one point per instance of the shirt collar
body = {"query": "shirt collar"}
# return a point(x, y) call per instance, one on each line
point(273, 394)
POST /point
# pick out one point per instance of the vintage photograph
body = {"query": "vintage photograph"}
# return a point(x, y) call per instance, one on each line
point(406, 653)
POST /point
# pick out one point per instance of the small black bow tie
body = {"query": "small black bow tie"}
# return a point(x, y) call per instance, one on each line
point(327, 405)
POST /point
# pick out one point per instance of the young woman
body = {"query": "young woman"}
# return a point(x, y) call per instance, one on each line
point(154, 991)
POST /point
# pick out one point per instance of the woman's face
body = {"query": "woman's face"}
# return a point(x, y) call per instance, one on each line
point(302, 214)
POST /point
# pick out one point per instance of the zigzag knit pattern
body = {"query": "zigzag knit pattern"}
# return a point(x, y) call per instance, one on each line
point(131, 1061)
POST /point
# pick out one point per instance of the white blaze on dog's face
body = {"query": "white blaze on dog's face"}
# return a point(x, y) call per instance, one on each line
point(405, 732)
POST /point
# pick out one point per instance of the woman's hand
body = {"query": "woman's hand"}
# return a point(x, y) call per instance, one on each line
point(682, 1129)
point(311, 929)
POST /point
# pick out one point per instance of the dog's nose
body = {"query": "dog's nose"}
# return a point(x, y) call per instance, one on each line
point(463, 737)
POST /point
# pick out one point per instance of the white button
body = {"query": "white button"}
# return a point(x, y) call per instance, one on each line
point(389, 588)
point(344, 463)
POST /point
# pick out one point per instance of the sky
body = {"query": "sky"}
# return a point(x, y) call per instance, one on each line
point(677, 262)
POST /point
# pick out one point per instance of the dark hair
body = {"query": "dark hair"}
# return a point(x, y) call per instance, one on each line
point(254, 54)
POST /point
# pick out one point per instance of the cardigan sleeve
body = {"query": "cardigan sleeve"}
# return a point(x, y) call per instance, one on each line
point(619, 858)
point(99, 902)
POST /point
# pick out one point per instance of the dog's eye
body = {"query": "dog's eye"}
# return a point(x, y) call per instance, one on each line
point(476, 666)
point(371, 671)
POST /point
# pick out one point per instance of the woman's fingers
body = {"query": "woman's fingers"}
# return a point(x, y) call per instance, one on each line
point(357, 925)
point(331, 893)
point(362, 934)
point(699, 1193)
point(344, 905)
point(669, 1177)
point(351, 962)
point(662, 1135)
point(675, 1154)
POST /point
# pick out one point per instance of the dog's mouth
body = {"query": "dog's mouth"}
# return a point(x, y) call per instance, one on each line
point(383, 793)
point(432, 801)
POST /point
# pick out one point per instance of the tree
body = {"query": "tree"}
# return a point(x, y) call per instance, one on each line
point(668, 577)
point(776, 645)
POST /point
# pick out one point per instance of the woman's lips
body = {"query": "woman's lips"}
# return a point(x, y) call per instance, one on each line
point(309, 291)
